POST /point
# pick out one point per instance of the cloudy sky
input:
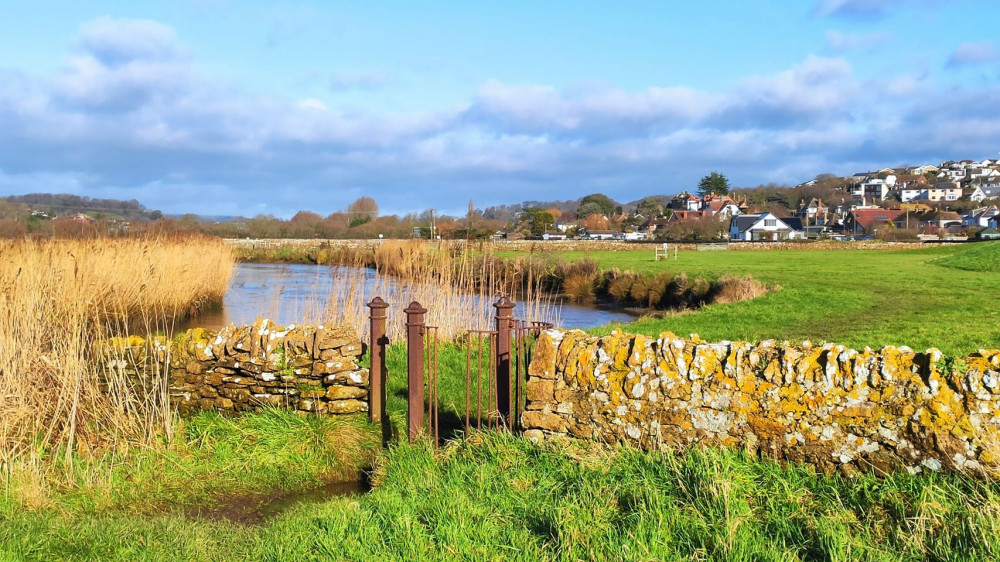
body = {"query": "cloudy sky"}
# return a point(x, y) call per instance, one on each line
point(225, 107)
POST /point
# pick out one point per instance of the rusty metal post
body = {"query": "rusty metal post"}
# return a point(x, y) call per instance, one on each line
point(378, 344)
point(415, 367)
point(505, 319)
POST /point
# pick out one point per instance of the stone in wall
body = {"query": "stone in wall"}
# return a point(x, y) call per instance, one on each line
point(247, 368)
point(826, 405)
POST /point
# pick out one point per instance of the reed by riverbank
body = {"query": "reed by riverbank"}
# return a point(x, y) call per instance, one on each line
point(59, 297)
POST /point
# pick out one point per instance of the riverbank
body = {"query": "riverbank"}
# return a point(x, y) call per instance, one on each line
point(525, 276)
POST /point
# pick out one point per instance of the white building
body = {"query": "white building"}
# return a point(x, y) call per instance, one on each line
point(764, 226)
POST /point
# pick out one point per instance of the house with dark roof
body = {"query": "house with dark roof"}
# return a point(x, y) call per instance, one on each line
point(763, 226)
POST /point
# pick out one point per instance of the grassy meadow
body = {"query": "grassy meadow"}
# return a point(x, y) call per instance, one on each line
point(943, 296)
point(496, 497)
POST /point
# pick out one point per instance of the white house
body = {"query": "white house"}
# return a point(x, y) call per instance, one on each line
point(911, 193)
point(981, 216)
point(944, 191)
point(764, 226)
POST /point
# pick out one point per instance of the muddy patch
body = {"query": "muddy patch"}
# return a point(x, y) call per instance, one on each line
point(257, 509)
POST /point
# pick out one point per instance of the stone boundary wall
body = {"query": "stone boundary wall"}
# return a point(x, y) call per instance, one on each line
point(829, 406)
point(305, 368)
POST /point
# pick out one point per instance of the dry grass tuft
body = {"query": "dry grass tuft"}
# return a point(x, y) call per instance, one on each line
point(59, 297)
point(579, 287)
point(730, 288)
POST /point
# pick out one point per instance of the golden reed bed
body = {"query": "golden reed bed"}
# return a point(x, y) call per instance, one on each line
point(57, 298)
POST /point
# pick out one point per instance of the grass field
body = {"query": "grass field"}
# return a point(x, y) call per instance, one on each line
point(499, 498)
point(942, 297)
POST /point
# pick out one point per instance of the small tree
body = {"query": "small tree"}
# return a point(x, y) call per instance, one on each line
point(362, 210)
point(594, 221)
point(595, 203)
point(539, 220)
point(713, 183)
point(649, 207)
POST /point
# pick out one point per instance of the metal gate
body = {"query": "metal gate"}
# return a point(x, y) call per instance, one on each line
point(496, 367)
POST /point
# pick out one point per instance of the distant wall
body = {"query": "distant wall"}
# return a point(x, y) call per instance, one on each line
point(829, 406)
point(307, 368)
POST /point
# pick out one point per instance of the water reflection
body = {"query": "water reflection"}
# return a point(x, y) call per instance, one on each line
point(298, 293)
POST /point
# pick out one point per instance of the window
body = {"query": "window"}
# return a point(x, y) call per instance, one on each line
point(770, 222)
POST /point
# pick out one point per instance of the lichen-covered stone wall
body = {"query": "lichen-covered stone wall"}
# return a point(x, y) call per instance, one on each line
point(826, 405)
point(306, 368)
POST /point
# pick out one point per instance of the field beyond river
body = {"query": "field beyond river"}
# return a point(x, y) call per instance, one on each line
point(939, 296)
point(90, 476)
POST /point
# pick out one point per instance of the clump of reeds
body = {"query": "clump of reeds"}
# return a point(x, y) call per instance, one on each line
point(668, 291)
point(456, 284)
point(578, 279)
point(730, 288)
point(57, 299)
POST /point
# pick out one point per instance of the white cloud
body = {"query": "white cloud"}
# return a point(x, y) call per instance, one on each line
point(973, 53)
point(116, 41)
point(839, 42)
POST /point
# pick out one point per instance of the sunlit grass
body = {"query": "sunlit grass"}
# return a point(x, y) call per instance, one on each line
point(497, 497)
point(858, 298)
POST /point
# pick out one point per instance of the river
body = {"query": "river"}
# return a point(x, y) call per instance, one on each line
point(296, 293)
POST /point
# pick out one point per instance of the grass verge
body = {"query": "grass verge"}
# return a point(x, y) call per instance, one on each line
point(496, 497)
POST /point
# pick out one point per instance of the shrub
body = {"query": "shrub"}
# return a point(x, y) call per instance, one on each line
point(735, 289)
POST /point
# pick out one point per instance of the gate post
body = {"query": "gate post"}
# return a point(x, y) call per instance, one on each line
point(505, 319)
point(378, 343)
point(415, 368)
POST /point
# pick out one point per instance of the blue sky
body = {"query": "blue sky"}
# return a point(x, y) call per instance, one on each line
point(224, 107)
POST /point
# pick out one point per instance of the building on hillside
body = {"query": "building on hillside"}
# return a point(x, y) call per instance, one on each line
point(943, 219)
point(684, 201)
point(603, 235)
point(763, 226)
point(653, 226)
point(909, 220)
point(868, 221)
point(988, 234)
point(981, 216)
point(815, 213)
point(944, 191)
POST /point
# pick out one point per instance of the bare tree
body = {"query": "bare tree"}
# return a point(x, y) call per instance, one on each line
point(362, 210)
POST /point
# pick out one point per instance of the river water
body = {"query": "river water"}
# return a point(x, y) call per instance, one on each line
point(297, 293)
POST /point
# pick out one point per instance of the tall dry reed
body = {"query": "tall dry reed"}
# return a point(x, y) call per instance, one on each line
point(455, 283)
point(58, 298)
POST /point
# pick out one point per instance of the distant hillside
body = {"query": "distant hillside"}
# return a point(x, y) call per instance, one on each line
point(64, 204)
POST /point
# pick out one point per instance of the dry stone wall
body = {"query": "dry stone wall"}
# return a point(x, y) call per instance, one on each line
point(307, 368)
point(826, 405)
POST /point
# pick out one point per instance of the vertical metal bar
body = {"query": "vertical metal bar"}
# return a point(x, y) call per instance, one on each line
point(491, 379)
point(479, 386)
point(415, 368)
point(430, 384)
point(437, 395)
point(377, 345)
point(504, 319)
point(521, 345)
point(468, 380)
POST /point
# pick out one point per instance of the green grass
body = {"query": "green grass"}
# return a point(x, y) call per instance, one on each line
point(212, 456)
point(853, 297)
point(980, 257)
point(499, 498)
